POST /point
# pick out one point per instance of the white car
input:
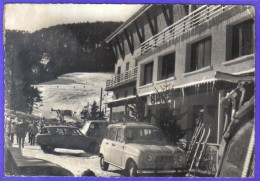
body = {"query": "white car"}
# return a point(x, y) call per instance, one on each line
point(139, 148)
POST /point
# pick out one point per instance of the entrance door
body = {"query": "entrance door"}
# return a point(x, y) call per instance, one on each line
point(197, 115)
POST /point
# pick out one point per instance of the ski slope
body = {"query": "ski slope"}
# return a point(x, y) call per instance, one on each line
point(72, 91)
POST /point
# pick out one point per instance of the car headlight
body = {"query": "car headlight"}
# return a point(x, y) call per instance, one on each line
point(149, 158)
point(180, 158)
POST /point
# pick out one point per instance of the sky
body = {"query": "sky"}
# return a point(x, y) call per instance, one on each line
point(32, 17)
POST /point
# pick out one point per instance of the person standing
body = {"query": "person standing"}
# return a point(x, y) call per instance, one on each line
point(21, 132)
point(30, 133)
point(34, 131)
point(8, 128)
point(12, 131)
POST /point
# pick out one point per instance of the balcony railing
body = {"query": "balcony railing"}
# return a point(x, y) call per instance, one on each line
point(197, 17)
point(122, 78)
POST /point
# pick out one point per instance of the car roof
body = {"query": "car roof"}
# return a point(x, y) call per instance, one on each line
point(132, 125)
point(96, 121)
point(73, 127)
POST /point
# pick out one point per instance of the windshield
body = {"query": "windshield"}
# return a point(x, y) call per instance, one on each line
point(144, 134)
point(85, 128)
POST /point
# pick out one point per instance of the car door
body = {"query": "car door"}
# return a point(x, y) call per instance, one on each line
point(74, 139)
point(108, 143)
point(58, 139)
point(117, 147)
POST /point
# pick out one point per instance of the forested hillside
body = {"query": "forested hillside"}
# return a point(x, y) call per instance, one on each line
point(32, 58)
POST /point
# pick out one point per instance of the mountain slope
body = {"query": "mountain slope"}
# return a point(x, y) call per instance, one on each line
point(72, 91)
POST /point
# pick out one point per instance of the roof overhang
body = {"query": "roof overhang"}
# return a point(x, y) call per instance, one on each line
point(130, 20)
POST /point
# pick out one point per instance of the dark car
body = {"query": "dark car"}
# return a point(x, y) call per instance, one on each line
point(63, 137)
point(95, 129)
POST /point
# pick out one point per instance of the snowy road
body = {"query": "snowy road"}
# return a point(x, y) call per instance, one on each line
point(76, 161)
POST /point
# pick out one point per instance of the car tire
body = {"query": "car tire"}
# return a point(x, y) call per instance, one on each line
point(103, 165)
point(47, 148)
point(131, 169)
point(92, 148)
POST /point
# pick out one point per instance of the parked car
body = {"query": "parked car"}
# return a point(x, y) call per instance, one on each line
point(63, 137)
point(96, 129)
point(139, 148)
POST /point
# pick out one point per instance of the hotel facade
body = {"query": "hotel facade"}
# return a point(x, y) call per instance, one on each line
point(181, 46)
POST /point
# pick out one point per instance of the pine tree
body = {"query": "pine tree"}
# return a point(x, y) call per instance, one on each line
point(33, 97)
point(85, 113)
point(94, 114)
point(101, 115)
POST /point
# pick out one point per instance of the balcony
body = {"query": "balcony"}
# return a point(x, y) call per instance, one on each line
point(121, 79)
point(197, 17)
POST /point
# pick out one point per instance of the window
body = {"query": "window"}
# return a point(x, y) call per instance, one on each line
point(120, 135)
point(148, 73)
point(119, 70)
point(125, 93)
point(70, 132)
point(127, 66)
point(134, 91)
point(168, 66)
point(145, 134)
point(112, 134)
point(243, 39)
point(56, 131)
point(117, 95)
point(200, 54)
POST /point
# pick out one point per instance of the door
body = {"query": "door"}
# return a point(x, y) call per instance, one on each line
point(75, 139)
point(108, 143)
point(57, 138)
point(117, 147)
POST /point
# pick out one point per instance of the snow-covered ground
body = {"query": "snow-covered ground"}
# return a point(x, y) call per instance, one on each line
point(72, 91)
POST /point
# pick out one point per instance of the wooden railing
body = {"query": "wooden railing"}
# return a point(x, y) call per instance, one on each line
point(197, 17)
point(122, 78)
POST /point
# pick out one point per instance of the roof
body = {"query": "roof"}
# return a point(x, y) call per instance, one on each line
point(128, 22)
point(132, 124)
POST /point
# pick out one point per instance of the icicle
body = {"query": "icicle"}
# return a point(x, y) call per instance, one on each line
point(207, 92)
point(182, 95)
point(213, 85)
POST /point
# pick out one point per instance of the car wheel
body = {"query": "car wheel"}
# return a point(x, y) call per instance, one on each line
point(92, 148)
point(47, 148)
point(131, 169)
point(103, 165)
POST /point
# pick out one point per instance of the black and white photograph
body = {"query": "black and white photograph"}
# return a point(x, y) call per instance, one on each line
point(129, 90)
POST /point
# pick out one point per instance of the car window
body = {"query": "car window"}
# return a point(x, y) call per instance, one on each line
point(120, 135)
point(56, 131)
point(85, 128)
point(70, 132)
point(79, 132)
point(144, 134)
point(112, 133)
point(94, 130)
